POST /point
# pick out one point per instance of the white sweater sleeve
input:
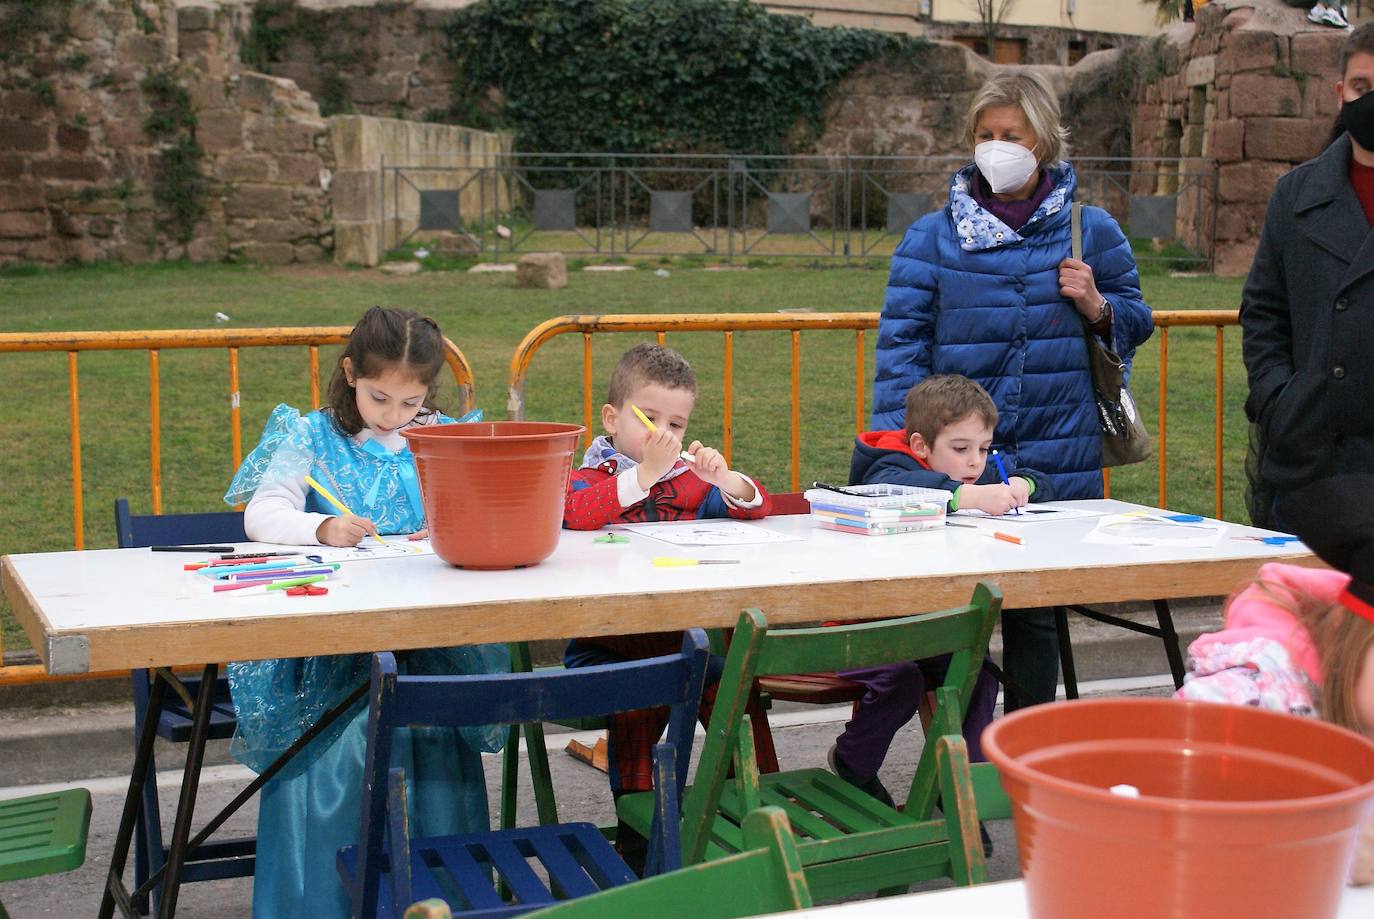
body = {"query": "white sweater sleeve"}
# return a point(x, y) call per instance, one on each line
point(276, 513)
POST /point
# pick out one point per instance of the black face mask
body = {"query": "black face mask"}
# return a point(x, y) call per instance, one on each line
point(1357, 117)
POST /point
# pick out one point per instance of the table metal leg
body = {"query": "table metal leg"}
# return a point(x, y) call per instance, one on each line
point(190, 782)
point(114, 881)
point(1061, 625)
point(1170, 637)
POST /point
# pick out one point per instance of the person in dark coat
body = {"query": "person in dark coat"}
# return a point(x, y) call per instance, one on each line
point(1307, 310)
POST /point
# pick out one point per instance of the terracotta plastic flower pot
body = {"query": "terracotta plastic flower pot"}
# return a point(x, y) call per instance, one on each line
point(1241, 812)
point(493, 491)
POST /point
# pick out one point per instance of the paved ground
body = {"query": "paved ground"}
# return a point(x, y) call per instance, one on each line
point(79, 734)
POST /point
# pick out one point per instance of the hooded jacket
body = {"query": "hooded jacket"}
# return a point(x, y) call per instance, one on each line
point(967, 294)
point(886, 457)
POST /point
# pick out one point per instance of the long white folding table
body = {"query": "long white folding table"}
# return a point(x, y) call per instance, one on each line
point(121, 609)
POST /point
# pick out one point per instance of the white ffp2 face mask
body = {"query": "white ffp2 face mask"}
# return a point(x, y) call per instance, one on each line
point(1006, 166)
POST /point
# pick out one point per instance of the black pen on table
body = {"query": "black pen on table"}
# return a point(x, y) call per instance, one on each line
point(207, 549)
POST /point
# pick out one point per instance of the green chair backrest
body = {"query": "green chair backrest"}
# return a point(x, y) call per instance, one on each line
point(767, 878)
point(755, 651)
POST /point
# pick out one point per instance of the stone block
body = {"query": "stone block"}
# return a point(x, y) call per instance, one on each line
point(203, 48)
point(253, 167)
point(220, 130)
point(1264, 95)
point(542, 270)
point(357, 243)
point(278, 231)
point(83, 169)
point(23, 224)
point(1290, 139)
point(285, 136)
point(1226, 141)
point(123, 133)
point(72, 139)
point(1249, 182)
point(1318, 54)
point(1201, 70)
point(21, 103)
point(1252, 50)
point(24, 136)
point(21, 197)
point(13, 166)
point(258, 91)
point(208, 93)
point(310, 252)
point(206, 249)
point(266, 253)
point(373, 90)
point(67, 225)
point(141, 49)
point(422, 99)
point(195, 19)
point(356, 195)
point(78, 205)
point(100, 227)
point(1319, 100)
point(85, 23)
point(299, 169)
point(47, 251)
point(1233, 259)
point(259, 202)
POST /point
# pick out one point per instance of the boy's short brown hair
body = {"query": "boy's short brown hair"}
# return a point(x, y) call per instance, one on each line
point(647, 363)
point(941, 400)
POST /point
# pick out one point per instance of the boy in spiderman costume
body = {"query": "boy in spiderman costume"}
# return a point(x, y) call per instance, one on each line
point(632, 474)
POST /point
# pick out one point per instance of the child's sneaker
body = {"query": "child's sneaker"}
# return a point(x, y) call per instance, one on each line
point(870, 786)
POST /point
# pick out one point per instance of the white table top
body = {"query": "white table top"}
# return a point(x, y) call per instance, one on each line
point(1004, 900)
point(120, 608)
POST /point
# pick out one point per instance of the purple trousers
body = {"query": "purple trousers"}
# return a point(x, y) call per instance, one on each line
point(894, 692)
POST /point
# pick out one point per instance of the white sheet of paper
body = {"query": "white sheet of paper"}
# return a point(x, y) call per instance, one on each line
point(1152, 530)
point(368, 550)
point(1032, 513)
point(708, 533)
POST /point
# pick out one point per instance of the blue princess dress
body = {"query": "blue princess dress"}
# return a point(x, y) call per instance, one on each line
point(310, 809)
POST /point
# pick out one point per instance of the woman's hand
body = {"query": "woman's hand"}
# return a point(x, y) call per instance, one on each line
point(419, 534)
point(1076, 282)
point(347, 530)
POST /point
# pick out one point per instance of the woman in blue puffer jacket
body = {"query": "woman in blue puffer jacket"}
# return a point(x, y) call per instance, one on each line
point(985, 288)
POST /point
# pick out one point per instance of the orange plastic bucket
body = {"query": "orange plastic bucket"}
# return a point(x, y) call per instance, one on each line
point(493, 491)
point(1241, 812)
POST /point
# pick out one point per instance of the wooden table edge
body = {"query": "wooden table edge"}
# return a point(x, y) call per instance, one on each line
point(125, 646)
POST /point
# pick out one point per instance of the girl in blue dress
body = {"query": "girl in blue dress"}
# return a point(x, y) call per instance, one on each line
point(385, 381)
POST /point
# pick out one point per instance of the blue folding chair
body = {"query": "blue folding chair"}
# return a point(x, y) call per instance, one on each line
point(387, 870)
point(210, 861)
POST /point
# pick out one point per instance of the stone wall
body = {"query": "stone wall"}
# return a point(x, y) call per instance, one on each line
point(79, 170)
point(1250, 86)
point(374, 209)
point(82, 178)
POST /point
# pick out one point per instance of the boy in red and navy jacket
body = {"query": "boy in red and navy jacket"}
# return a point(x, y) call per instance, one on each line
point(635, 474)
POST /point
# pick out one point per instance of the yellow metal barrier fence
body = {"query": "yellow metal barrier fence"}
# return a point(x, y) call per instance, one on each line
point(730, 323)
point(154, 342)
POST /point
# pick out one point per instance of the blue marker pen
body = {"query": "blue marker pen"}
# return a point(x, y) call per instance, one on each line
point(1002, 471)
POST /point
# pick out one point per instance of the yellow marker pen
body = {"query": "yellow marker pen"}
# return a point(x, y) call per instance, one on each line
point(650, 425)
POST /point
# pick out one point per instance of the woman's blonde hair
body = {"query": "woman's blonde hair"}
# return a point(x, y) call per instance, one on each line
point(1031, 93)
point(1342, 640)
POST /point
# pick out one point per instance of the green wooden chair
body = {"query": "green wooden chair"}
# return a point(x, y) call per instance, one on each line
point(766, 877)
point(43, 834)
point(849, 843)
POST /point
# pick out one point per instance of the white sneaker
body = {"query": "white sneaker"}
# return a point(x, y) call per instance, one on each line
point(1327, 16)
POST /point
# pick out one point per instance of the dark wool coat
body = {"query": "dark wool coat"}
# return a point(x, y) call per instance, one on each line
point(1307, 317)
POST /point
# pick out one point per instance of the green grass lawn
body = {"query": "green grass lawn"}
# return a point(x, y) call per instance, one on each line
point(487, 316)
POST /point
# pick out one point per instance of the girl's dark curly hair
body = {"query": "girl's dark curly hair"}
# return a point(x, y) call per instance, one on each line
point(383, 339)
